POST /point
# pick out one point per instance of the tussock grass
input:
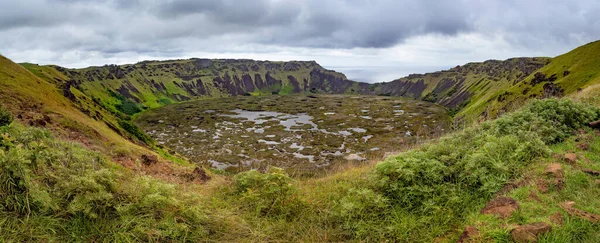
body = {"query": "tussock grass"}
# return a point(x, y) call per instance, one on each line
point(57, 191)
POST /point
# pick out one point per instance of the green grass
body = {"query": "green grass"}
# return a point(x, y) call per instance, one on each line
point(583, 72)
point(578, 187)
point(57, 191)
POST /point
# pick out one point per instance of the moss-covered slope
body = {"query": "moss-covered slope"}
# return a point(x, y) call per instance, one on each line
point(128, 89)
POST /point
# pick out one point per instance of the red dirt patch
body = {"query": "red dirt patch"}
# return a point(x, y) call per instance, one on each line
point(534, 196)
point(542, 185)
point(529, 232)
point(468, 234)
point(571, 210)
point(570, 158)
point(583, 146)
point(501, 206)
point(165, 171)
point(557, 172)
point(149, 159)
point(556, 218)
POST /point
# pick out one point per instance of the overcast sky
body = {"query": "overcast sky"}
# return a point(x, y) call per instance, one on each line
point(369, 40)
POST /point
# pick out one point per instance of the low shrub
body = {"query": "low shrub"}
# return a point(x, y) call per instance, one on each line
point(436, 186)
point(552, 119)
point(360, 207)
point(477, 162)
point(268, 194)
point(136, 132)
point(56, 191)
point(5, 117)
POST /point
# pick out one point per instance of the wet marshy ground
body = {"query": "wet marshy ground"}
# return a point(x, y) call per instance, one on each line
point(296, 132)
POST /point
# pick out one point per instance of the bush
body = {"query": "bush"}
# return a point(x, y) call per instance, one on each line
point(552, 119)
point(268, 194)
point(51, 189)
point(5, 117)
point(136, 132)
point(477, 162)
point(360, 207)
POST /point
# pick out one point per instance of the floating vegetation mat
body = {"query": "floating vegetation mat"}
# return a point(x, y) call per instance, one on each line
point(296, 132)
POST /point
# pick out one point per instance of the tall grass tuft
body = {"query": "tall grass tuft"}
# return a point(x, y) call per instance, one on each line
point(5, 117)
point(57, 191)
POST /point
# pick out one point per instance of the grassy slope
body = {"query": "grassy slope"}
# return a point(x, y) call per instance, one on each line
point(468, 85)
point(583, 64)
point(33, 99)
point(24, 93)
point(538, 206)
point(143, 80)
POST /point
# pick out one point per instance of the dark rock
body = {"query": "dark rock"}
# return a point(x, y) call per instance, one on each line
point(552, 90)
point(291, 66)
point(294, 83)
point(199, 174)
point(591, 172)
point(248, 83)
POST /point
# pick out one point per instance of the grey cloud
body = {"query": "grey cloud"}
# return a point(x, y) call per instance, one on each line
point(247, 13)
point(171, 26)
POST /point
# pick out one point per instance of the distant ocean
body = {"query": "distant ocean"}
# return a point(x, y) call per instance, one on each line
point(381, 74)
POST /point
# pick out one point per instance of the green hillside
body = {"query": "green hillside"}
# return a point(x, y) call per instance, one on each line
point(466, 86)
point(480, 91)
point(564, 75)
point(129, 89)
point(50, 102)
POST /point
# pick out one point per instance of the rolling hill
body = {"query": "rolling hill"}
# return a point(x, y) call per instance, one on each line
point(42, 99)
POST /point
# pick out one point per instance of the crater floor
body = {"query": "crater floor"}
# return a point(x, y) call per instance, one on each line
point(296, 132)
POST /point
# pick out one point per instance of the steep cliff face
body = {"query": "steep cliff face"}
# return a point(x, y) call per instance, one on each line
point(471, 91)
point(151, 84)
point(463, 86)
point(566, 74)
